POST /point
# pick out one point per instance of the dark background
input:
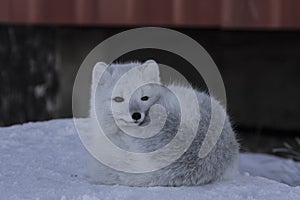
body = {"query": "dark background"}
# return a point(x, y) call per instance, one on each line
point(258, 56)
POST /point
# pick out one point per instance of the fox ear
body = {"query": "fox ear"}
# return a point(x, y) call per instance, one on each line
point(150, 71)
point(100, 73)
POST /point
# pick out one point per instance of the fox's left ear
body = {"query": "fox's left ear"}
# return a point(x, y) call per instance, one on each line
point(150, 71)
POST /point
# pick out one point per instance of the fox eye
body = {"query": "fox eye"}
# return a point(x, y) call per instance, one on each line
point(118, 99)
point(144, 98)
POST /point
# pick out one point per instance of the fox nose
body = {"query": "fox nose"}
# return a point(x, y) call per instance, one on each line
point(136, 116)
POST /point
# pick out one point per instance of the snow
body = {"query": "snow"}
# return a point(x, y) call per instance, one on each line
point(46, 160)
point(272, 167)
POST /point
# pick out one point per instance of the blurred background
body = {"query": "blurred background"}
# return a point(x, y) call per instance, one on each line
point(255, 44)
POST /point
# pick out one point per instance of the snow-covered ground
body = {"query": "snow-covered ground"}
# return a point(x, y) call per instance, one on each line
point(45, 160)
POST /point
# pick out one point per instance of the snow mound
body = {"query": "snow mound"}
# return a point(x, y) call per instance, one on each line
point(272, 167)
point(46, 160)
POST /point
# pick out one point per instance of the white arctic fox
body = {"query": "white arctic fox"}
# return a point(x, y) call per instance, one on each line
point(128, 107)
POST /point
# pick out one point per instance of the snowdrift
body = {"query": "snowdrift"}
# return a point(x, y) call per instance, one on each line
point(46, 160)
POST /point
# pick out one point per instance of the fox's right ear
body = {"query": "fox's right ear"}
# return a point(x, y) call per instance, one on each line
point(100, 73)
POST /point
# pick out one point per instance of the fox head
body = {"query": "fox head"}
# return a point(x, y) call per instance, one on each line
point(123, 92)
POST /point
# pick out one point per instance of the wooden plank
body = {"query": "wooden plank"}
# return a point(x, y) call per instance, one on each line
point(197, 12)
point(4, 10)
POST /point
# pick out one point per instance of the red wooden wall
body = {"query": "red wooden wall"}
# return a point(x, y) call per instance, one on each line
point(195, 13)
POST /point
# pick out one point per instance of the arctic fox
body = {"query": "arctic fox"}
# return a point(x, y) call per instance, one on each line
point(127, 107)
